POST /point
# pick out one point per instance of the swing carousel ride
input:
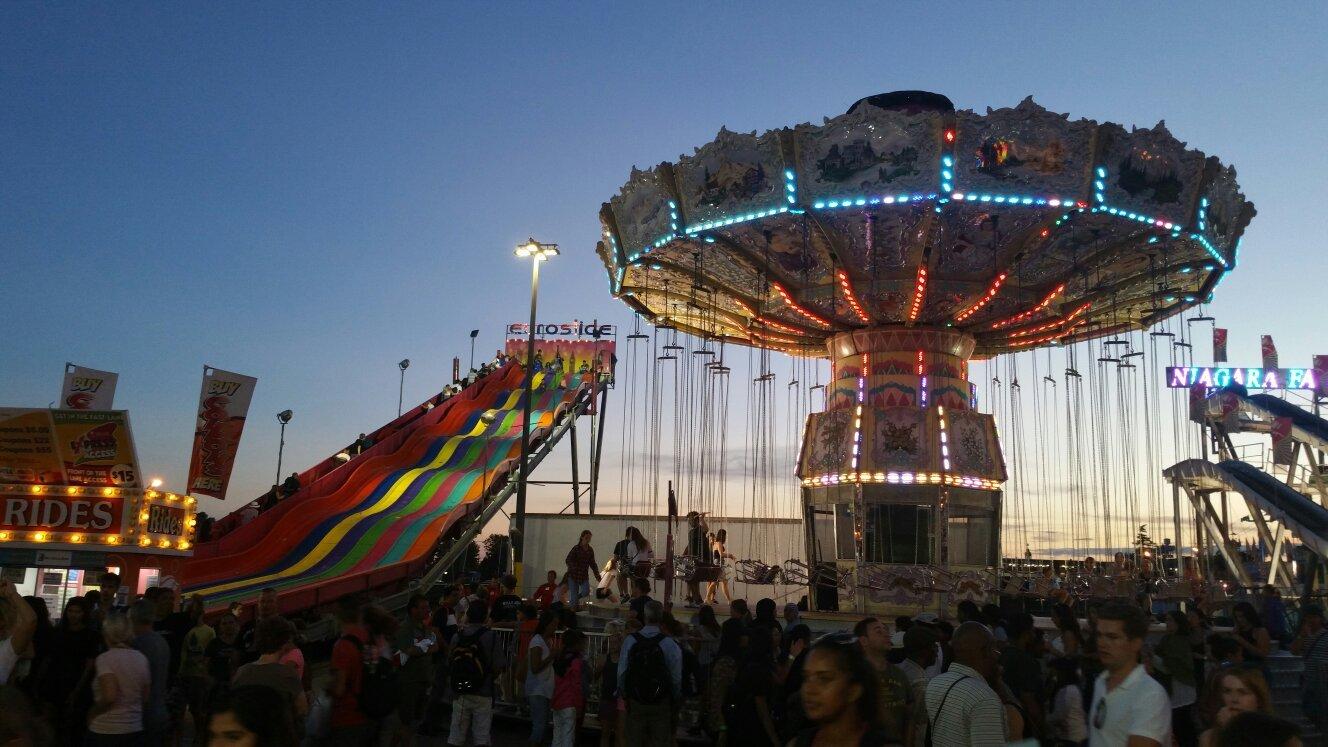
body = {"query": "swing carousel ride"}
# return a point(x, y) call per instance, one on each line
point(904, 240)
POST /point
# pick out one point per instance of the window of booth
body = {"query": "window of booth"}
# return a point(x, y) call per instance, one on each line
point(844, 545)
point(832, 531)
point(898, 534)
point(969, 537)
point(823, 533)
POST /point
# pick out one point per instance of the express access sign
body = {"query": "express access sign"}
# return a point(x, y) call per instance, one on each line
point(1185, 377)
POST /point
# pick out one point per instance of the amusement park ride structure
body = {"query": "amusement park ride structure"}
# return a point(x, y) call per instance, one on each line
point(902, 240)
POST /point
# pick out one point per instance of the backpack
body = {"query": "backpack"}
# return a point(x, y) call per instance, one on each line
point(379, 684)
point(467, 666)
point(647, 677)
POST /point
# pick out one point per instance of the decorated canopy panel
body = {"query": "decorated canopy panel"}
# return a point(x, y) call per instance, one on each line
point(1020, 226)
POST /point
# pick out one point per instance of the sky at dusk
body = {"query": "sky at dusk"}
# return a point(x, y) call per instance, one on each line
point(308, 193)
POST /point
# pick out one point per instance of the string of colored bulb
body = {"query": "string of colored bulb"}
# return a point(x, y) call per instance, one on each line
point(852, 298)
point(919, 292)
point(1052, 324)
point(991, 293)
point(784, 294)
point(1017, 318)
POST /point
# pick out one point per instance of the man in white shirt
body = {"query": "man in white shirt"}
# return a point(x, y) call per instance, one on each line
point(1130, 708)
point(21, 623)
point(962, 709)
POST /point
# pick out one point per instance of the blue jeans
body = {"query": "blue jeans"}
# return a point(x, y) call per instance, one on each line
point(577, 590)
point(539, 718)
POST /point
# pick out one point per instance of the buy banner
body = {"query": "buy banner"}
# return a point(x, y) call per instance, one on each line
point(87, 388)
point(223, 405)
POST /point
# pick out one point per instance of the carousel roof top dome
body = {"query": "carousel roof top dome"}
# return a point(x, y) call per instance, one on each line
point(1019, 226)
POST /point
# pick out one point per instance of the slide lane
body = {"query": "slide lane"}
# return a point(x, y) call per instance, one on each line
point(303, 517)
point(404, 513)
point(1307, 519)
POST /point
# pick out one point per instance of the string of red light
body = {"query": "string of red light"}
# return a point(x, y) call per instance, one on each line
point(1052, 324)
point(852, 298)
point(788, 299)
point(1048, 338)
point(1017, 318)
point(991, 293)
point(919, 292)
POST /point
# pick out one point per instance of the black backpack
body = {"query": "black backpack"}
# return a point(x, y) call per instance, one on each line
point(380, 688)
point(647, 678)
point(467, 666)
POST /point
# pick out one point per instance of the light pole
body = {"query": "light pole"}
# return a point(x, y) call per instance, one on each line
point(283, 417)
point(401, 390)
point(537, 253)
point(473, 334)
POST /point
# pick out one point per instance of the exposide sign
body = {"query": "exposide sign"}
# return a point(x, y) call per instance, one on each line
point(1184, 377)
point(569, 329)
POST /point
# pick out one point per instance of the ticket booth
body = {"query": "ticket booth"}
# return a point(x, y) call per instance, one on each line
point(56, 540)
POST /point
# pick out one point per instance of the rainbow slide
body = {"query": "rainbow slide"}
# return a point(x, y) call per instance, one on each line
point(377, 520)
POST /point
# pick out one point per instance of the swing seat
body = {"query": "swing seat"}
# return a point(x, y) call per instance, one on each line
point(757, 573)
point(797, 572)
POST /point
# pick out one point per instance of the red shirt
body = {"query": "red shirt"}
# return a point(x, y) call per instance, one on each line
point(544, 595)
point(567, 687)
point(349, 658)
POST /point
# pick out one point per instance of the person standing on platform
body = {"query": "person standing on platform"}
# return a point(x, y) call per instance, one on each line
point(698, 549)
point(580, 564)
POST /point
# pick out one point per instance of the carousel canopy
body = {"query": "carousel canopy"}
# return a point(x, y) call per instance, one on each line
point(1021, 227)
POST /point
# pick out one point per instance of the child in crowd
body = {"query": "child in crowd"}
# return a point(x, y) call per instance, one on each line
point(571, 687)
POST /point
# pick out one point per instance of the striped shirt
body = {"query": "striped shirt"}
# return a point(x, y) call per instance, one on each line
point(972, 715)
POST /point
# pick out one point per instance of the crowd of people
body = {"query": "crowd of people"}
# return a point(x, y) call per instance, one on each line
point(149, 671)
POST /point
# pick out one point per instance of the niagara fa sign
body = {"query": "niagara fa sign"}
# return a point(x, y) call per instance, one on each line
point(1185, 377)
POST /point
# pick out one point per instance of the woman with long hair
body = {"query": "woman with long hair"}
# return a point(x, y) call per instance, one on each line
point(1234, 690)
point(1174, 656)
point(723, 671)
point(249, 715)
point(641, 554)
point(539, 673)
point(1065, 718)
point(1070, 640)
point(705, 634)
point(1251, 634)
point(719, 550)
point(63, 690)
point(749, 709)
point(838, 694)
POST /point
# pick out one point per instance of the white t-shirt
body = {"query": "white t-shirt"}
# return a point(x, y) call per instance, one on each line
point(1139, 706)
point(539, 683)
point(1067, 715)
point(130, 669)
point(8, 659)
